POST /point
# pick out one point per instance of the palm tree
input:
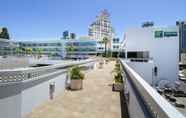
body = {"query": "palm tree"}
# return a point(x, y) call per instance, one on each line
point(18, 51)
point(39, 52)
point(28, 50)
point(105, 41)
point(70, 48)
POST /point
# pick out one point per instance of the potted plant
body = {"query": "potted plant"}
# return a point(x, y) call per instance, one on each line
point(101, 64)
point(118, 78)
point(76, 77)
point(106, 61)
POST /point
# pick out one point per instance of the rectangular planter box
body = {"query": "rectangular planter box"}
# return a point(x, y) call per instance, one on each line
point(76, 84)
point(117, 87)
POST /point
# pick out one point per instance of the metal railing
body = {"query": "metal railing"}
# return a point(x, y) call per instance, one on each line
point(155, 104)
point(25, 74)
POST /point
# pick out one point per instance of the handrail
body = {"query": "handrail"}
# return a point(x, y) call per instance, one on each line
point(16, 75)
point(160, 107)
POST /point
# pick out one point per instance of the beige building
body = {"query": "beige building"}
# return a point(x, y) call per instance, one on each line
point(0, 30)
point(101, 28)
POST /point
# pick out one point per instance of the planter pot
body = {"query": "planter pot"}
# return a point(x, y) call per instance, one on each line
point(100, 66)
point(106, 62)
point(76, 84)
point(117, 87)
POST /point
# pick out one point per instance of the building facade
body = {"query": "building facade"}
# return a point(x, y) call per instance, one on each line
point(153, 52)
point(53, 48)
point(7, 47)
point(182, 35)
point(182, 39)
point(64, 48)
point(81, 48)
point(115, 46)
point(100, 29)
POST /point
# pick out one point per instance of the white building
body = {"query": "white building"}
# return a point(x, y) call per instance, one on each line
point(101, 28)
point(154, 53)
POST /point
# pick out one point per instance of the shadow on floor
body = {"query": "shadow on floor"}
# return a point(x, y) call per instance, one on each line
point(124, 110)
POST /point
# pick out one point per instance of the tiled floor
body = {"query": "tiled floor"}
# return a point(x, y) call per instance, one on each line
point(95, 100)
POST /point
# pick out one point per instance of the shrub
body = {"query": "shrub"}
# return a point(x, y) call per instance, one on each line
point(118, 78)
point(75, 73)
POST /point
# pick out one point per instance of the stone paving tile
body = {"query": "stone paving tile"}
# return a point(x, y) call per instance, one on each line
point(95, 100)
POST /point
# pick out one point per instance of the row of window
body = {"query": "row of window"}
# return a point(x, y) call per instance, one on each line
point(116, 40)
point(100, 48)
point(49, 49)
point(116, 46)
point(39, 44)
point(83, 49)
point(81, 44)
point(33, 49)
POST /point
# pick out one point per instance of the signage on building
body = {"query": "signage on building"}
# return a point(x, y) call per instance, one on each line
point(161, 34)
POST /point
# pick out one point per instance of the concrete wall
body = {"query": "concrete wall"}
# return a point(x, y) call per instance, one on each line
point(134, 107)
point(11, 107)
point(35, 95)
point(18, 99)
point(144, 69)
point(10, 101)
point(143, 100)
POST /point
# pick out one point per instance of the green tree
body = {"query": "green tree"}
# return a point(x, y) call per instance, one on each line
point(4, 34)
point(18, 50)
point(66, 34)
point(50, 54)
point(70, 48)
point(39, 52)
point(72, 36)
point(28, 50)
point(105, 41)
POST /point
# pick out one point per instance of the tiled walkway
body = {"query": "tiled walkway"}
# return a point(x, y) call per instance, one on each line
point(96, 100)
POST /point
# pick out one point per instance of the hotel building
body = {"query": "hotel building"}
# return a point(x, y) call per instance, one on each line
point(101, 28)
point(153, 52)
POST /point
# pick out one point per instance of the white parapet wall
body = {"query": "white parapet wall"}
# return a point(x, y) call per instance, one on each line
point(142, 100)
point(39, 93)
point(22, 90)
point(144, 69)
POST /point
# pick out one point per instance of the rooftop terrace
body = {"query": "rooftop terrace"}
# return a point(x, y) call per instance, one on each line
point(95, 100)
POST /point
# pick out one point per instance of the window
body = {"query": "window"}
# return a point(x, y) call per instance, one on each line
point(116, 40)
point(138, 56)
point(155, 71)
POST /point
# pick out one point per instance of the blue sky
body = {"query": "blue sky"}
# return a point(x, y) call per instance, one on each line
point(47, 19)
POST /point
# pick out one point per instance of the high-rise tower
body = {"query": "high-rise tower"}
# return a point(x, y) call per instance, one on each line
point(101, 27)
point(182, 35)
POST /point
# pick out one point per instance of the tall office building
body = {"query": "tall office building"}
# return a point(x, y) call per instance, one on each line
point(182, 35)
point(101, 27)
